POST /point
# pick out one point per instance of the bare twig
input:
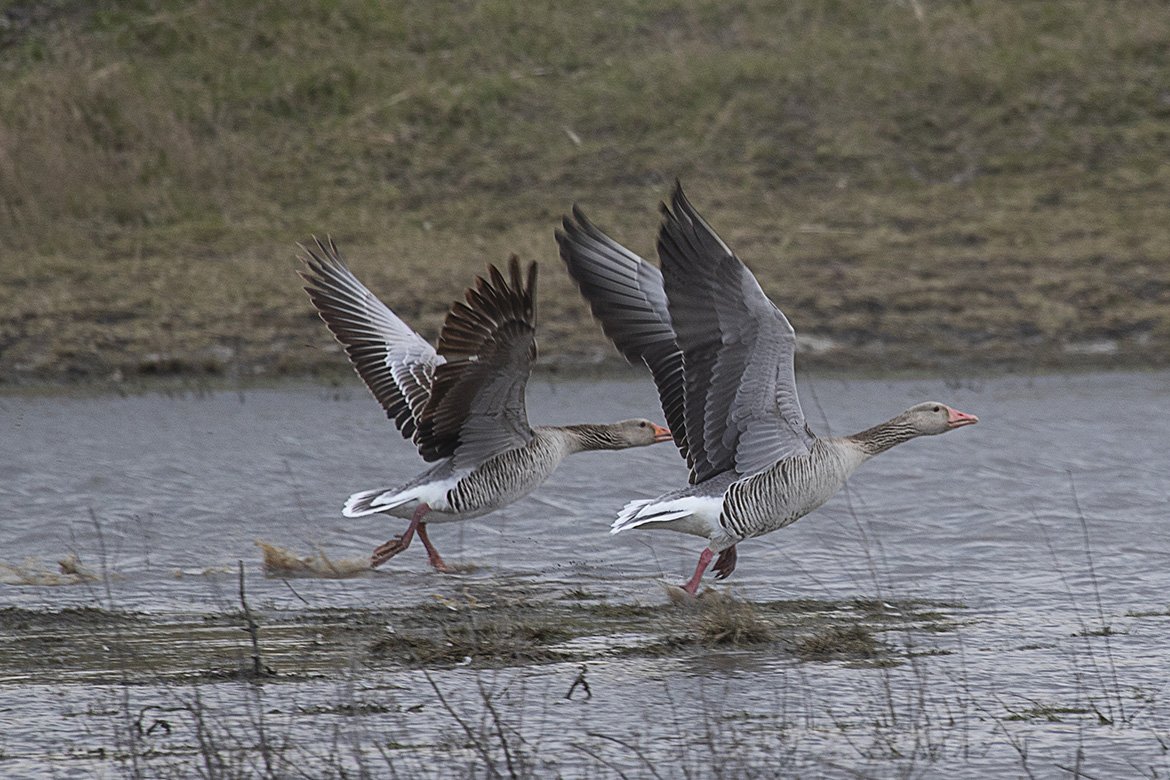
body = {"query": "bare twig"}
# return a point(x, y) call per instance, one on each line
point(253, 630)
point(632, 748)
point(133, 735)
point(580, 681)
point(294, 591)
point(498, 723)
point(1105, 628)
point(587, 751)
point(1077, 772)
point(476, 742)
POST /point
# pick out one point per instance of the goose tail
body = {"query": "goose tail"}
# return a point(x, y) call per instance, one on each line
point(643, 511)
point(371, 502)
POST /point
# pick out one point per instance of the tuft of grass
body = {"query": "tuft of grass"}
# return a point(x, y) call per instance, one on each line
point(582, 594)
point(726, 622)
point(851, 642)
point(499, 640)
point(606, 610)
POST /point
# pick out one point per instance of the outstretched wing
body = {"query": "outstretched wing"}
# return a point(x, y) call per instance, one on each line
point(626, 296)
point(395, 362)
point(740, 406)
point(476, 408)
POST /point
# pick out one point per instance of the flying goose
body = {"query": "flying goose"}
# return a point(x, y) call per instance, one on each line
point(462, 406)
point(721, 355)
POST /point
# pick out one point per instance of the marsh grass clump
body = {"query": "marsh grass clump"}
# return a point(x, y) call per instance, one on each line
point(606, 610)
point(849, 642)
point(73, 618)
point(485, 639)
point(581, 594)
point(797, 606)
point(728, 622)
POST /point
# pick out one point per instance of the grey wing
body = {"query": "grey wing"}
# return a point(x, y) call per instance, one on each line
point(741, 407)
point(476, 408)
point(626, 296)
point(396, 363)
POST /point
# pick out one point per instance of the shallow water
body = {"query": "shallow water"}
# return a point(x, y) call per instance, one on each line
point(1039, 527)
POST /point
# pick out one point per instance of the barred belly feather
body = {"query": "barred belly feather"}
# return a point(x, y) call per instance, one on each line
point(508, 476)
point(789, 490)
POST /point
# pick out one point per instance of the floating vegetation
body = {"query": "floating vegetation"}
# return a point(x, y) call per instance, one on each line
point(726, 622)
point(279, 562)
point(474, 626)
point(849, 642)
point(499, 639)
point(69, 571)
point(608, 610)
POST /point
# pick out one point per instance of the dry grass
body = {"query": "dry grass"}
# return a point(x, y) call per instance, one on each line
point(727, 622)
point(69, 571)
point(499, 639)
point(281, 562)
point(984, 184)
point(849, 642)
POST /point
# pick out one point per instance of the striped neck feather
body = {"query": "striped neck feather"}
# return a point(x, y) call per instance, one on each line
point(880, 438)
point(596, 437)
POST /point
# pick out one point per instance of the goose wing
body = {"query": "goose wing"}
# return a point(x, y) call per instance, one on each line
point(740, 405)
point(396, 363)
point(626, 296)
point(488, 341)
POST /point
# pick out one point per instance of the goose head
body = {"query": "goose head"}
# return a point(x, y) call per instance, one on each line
point(616, 436)
point(640, 433)
point(931, 418)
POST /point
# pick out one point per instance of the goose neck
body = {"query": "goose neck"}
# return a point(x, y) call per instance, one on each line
point(879, 438)
point(588, 436)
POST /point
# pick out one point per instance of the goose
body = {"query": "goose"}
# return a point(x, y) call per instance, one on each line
point(462, 405)
point(721, 355)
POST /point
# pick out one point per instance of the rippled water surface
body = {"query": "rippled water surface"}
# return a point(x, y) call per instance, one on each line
point(1039, 534)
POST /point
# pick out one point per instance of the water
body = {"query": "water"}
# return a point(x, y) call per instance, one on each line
point(1033, 531)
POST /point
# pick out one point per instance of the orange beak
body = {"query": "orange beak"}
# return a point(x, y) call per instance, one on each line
point(957, 419)
point(661, 434)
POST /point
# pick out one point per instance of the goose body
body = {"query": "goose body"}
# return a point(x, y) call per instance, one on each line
point(721, 354)
point(729, 508)
point(461, 494)
point(462, 405)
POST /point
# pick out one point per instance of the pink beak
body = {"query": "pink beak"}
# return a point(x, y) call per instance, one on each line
point(957, 419)
point(661, 434)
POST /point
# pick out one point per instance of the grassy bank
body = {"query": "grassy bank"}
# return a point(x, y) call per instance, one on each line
point(919, 184)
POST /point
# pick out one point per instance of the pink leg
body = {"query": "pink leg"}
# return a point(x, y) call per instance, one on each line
point(725, 563)
point(436, 560)
point(692, 585)
point(385, 552)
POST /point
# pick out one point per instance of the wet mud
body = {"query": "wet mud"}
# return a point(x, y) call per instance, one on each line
point(478, 627)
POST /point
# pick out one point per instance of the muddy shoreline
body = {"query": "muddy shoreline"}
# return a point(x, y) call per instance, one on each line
point(476, 627)
point(844, 364)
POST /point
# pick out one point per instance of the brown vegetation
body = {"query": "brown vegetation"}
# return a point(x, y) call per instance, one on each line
point(922, 185)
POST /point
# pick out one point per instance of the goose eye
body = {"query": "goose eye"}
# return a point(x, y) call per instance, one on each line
point(937, 409)
point(641, 425)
